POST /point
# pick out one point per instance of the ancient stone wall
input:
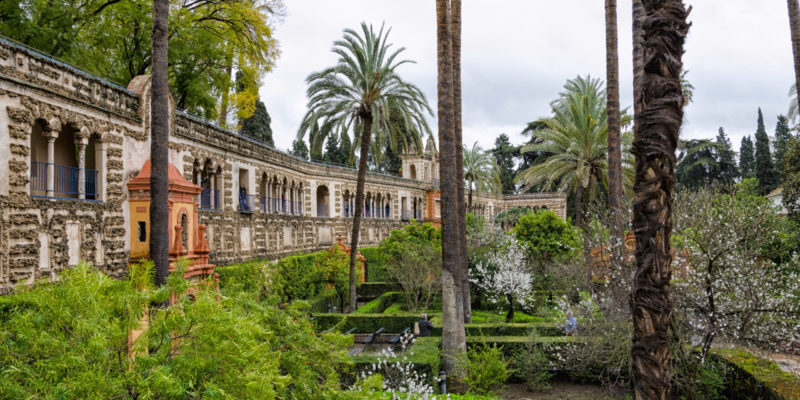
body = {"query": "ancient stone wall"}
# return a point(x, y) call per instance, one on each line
point(48, 107)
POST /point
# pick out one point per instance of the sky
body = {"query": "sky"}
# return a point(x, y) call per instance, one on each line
point(517, 54)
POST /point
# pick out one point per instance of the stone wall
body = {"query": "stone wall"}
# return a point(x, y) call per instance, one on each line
point(43, 100)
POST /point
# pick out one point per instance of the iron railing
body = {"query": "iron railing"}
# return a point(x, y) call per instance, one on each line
point(66, 180)
point(248, 203)
point(209, 199)
point(405, 215)
point(322, 210)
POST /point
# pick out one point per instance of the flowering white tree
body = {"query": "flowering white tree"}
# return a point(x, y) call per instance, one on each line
point(728, 283)
point(505, 275)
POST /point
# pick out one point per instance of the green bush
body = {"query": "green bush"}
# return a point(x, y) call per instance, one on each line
point(296, 277)
point(371, 290)
point(547, 237)
point(513, 329)
point(250, 277)
point(487, 369)
point(69, 339)
point(531, 364)
point(376, 264)
point(381, 303)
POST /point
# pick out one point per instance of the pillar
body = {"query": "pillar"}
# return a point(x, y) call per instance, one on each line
point(81, 167)
point(51, 168)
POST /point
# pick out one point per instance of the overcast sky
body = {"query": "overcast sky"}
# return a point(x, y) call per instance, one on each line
point(517, 54)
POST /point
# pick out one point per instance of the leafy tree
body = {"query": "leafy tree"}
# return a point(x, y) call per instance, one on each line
point(480, 172)
point(346, 151)
point(367, 72)
point(509, 218)
point(728, 285)
point(300, 149)
point(747, 158)
point(698, 165)
point(575, 144)
point(791, 180)
point(113, 39)
point(726, 159)
point(546, 236)
point(332, 267)
point(764, 167)
point(332, 154)
point(504, 153)
point(415, 261)
point(782, 137)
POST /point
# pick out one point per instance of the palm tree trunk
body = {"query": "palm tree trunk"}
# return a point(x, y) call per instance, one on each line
point(469, 198)
point(462, 235)
point(366, 134)
point(579, 207)
point(614, 132)
point(794, 25)
point(638, 57)
point(453, 337)
point(661, 102)
point(159, 153)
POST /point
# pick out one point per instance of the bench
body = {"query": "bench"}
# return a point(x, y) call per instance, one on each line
point(397, 338)
point(371, 338)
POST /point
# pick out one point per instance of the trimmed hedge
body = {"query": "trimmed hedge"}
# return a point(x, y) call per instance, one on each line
point(319, 303)
point(502, 329)
point(381, 303)
point(365, 323)
point(246, 277)
point(371, 290)
point(376, 270)
point(751, 371)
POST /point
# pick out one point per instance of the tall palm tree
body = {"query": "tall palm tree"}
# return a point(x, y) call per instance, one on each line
point(364, 92)
point(659, 123)
point(462, 227)
point(454, 341)
point(574, 143)
point(614, 132)
point(480, 172)
point(794, 26)
point(638, 56)
point(159, 153)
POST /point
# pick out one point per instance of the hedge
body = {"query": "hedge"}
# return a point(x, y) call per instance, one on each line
point(371, 290)
point(247, 277)
point(364, 323)
point(752, 372)
point(514, 329)
point(376, 264)
point(319, 303)
point(424, 357)
point(381, 303)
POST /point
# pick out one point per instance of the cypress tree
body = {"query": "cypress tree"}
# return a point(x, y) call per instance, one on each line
point(258, 125)
point(331, 150)
point(344, 150)
point(300, 149)
point(746, 158)
point(782, 137)
point(503, 153)
point(726, 159)
point(765, 168)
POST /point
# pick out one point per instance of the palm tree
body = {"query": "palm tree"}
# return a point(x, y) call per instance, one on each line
point(794, 26)
point(575, 143)
point(614, 132)
point(480, 172)
point(455, 35)
point(659, 123)
point(362, 91)
point(159, 153)
point(454, 343)
point(638, 56)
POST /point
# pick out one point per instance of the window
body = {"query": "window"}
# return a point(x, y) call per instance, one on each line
point(142, 232)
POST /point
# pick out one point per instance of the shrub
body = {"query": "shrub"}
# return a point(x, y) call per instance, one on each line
point(371, 290)
point(547, 237)
point(376, 264)
point(333, 268)
point(365, 323)
point(486, 368)
point(414, 256)
point(246, 277)
point(532, 365)
point(381, 303)
point(296, 277)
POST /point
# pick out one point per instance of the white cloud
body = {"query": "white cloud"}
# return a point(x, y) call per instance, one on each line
point(518, 53)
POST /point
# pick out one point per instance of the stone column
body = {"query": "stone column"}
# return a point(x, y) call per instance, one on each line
point(81, 143)
point(51, 158)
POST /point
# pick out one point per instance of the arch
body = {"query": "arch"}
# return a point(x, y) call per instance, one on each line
point(38, 146)
point(412, 171)
point(322, 201)
point(185, 231)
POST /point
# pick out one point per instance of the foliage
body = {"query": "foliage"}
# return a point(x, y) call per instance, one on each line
point(70, 340)
point(765, 372)
point(299, 149)
point(695, 378)
point(487, 369)
point(333, 267)
point(380, 303)
point(257, 126)
point(575, 144)
point(365, 323)
point(505, 275)
point(747, 158)
point(726, 282)
point(296, 277)
point(726, 159)
point(480, 171)
point(415, 261)
point(783, 136)
point(764, 168)
point(547, 237)
point(376, 265)
point(250, 277)
point(112, 39)
point(504, 154)
point(509, 218)
point(702, 162)
point(791, 180)
point(532, 364)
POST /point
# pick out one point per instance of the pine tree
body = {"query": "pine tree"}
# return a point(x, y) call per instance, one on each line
point(726, 159)
point(345, 150)
point(258, 125)
point(746, 159)
point(765, 168)
point(300, 149)
point(503, 153)
point(782, 137)
point(331, 150)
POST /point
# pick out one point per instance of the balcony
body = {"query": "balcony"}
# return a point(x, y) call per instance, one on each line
point(322, 210)
point(66, 182)
point(248, 204)
point(405, 215)
point(209, 199)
